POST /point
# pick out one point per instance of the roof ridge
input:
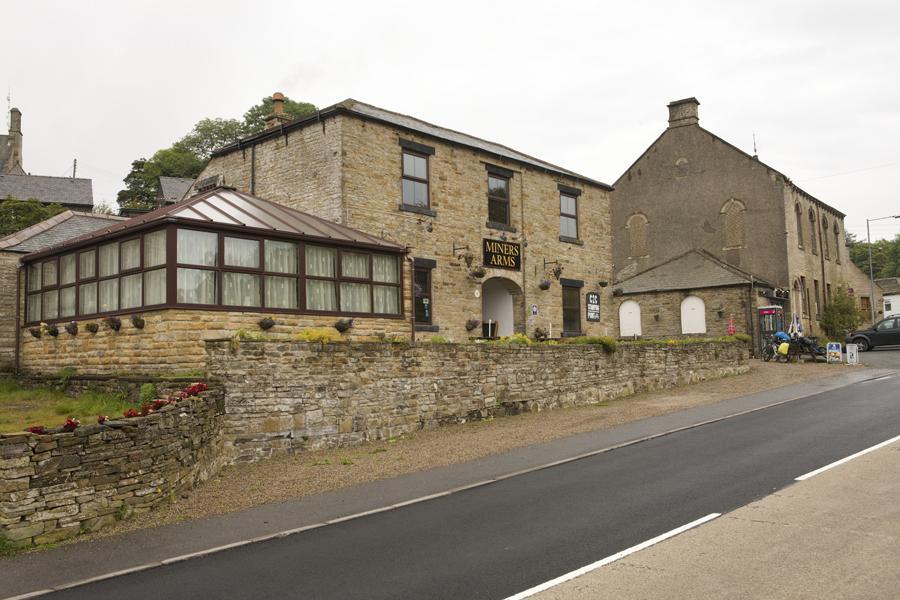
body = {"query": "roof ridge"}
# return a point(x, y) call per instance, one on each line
point(46, 176)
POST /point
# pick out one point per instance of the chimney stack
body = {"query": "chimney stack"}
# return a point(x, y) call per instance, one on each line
point(278, 117)
point(684, 112)
point(13, 164)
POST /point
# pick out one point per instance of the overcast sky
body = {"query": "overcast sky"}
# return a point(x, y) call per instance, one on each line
point(582, 85)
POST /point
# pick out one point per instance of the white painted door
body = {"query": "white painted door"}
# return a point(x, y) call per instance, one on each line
point(629, 319)
point(693, 315)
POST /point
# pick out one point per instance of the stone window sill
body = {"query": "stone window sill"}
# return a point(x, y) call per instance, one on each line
point(419, 210)
point(500, 226)
point(571, 240)
point(428, 328)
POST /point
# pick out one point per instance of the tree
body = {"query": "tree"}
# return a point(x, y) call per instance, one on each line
point(16, 215)
point(885, 256)
point(841, 316)
point(188, 156)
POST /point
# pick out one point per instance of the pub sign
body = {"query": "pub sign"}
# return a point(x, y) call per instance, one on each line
point(498, 254)
point(592, 300)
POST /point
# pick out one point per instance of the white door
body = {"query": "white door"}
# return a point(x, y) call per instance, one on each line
point(629, 319)
point(693, 315)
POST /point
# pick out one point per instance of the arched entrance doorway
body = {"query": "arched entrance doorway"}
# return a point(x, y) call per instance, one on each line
point(629, 319)
point(693, 315)
point(501, 307)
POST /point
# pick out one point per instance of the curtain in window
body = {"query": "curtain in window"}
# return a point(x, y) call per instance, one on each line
point(198, 247)
point(87, 299)
point(34, 278)
point(320, 261)
point(281, 257)
point(154, 248)
point(49, 276)
point(385, 268)
point(320, 295)
point(131, 254)
point(109, 259)
point(34, 308)
point(196, 286)
point(109, 295)
point(67, 302)
point(67, 269)
point(354, 265)
point(131, 291)
point(154, 287)
point(355, 297)
point(51, 305)
point(281, 292)
point(240, 289)
point(86, 264)
point(387, 299)
point(241, 253)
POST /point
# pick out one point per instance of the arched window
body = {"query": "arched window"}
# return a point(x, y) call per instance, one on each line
point(837, 242)
point(693, 315)
point(798, 212)
point(733, 212)
point(629, 319)
point(826, 244)
point(636, 228)
point(812, 232)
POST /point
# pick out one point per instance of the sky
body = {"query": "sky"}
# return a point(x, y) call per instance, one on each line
point(580, 84)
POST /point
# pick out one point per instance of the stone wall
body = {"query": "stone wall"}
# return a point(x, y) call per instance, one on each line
point(661, 311)
point(53, 487)
point(282, 397)
point(8, 268)
point(171, 341)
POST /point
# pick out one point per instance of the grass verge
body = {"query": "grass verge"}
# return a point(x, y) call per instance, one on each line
point(23, 407)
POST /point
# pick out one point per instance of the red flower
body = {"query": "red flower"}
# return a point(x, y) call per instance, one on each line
point(102, 419)
point(37, 429)
point(130, 413)
point(71, 424)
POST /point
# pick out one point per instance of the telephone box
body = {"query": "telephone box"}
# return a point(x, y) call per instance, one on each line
point(771, 320)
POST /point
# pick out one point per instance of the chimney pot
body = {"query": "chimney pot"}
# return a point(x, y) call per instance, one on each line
point(278, 103)
point(684, 112)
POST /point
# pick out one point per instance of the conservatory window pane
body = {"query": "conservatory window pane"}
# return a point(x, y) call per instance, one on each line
point(131, 254)
point(198, 247)
point(387, 299)
point(385, 268)
point(109, 295)
point(241, 253)
point(131, 290)
point(355, 297)
point(49, 277)
point(51, 305)
point(67, 302)
point(34, 308)
point(281, 257)
point(155, 248)
point(34, 277)
point(154, 287)
point(240, 289)
point(320, 261)
point(109, 259)
point(354, 265)
point(87, 299)
point(281, 292)
point(196, 286)
point(67, 269)
point(87, 264)
point(320, 295)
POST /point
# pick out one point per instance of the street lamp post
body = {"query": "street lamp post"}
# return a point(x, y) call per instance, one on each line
point(871, 274)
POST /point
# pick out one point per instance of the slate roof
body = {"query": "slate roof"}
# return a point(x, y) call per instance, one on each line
point(691, 270)
point(173, 189)
point(63, 190)
point(370, 112)
point(232, 209)
point(54, 231)
point(890, 285)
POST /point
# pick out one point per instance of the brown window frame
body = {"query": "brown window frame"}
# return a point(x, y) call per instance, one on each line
point(576, 287)
point(493, 198)
point(429, 294)
point(426, 181)
point(562, 214)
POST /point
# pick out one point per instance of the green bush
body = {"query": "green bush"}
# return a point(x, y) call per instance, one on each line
point(439, 339)
point(609, 344)
point(516, 339)
point(148, 393)
point(743, 337)
point(322, 335)
point(841, 316)
point(7, 548)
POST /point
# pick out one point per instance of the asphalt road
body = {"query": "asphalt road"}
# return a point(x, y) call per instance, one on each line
point(497, 540)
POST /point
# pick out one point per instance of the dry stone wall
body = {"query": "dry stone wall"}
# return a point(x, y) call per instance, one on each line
point(53, 487)
point(282, 397)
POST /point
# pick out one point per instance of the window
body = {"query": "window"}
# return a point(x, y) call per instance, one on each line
point(281, 290)
point(827, 293)
point(812, 233)
point(837, 243)
point(238, 288)
point(826, 250)
point(568, 216)
point(498, 199)
point(865, 305)
point(193, 285)
point(798, 213)
point(816, 297)
point(422, 295)
point(733, 212)
point(804, 289)
point(571, 304)
point(415, 179)
point(321, 276)
point(636, 228)
point(888, 325)
point(887, 306)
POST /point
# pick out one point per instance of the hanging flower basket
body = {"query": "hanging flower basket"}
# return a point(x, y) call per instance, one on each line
point(114, 323)
point(35, 332)
point(138, 321)
point(53, 330)
point(472, 324)
point(72, 328)
point(545, 284)
point(343, 325)
point(557, 271)
point(92, 327)
point(478, 272)
point(267, 323)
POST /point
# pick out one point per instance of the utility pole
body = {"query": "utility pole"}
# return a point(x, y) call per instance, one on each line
point(74, 167)
point(871, 274)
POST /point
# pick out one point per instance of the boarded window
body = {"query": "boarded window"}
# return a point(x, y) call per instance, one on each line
point(733, 213)
point(812, 233)
point(837, 243)
point(826, 250)
point(798, 212)
point(636, 228)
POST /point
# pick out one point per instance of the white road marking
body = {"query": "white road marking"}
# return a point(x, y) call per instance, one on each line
point(609, 559)
point(847, 459)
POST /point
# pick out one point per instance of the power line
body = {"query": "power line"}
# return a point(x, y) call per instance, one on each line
point(890, 164)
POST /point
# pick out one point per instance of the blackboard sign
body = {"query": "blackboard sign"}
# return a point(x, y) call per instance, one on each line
point(501, 255)
point(593, 306)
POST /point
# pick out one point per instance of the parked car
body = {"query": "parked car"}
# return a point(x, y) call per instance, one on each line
point(885, 333)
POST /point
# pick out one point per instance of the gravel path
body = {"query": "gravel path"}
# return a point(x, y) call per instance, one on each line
point(291, 477)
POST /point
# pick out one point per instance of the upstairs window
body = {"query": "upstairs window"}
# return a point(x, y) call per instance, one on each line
point(568, 216)
point(798, 213)
point(498, 199)
point(733, 212)
point(826, 250)
point(636, 227)
point(812, 233)
point(837, 243)
point(415, 179)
